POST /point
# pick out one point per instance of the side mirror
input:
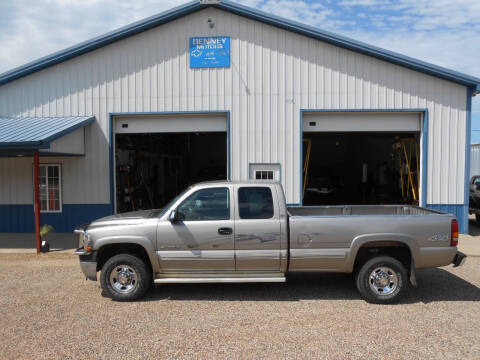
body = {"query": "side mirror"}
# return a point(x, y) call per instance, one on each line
point(173, 216)
point(176, 216)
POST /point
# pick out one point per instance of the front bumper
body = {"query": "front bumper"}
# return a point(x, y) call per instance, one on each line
point(459, 259)
point(88, 263)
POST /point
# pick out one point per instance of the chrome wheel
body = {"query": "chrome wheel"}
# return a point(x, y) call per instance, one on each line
point(123, 279)
point(383, 280)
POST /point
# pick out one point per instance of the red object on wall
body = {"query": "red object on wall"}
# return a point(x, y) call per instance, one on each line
point(36, 200)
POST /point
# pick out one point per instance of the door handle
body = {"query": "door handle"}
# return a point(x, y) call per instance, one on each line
point(225, 231)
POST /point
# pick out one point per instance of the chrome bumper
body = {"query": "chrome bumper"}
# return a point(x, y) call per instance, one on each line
point(88, 264)
point(459, 259)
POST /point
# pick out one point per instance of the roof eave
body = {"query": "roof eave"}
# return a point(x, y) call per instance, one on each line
point(45, 142)
point(351, 44)
point(255, 14)
point(99, 41)
point(68, 130)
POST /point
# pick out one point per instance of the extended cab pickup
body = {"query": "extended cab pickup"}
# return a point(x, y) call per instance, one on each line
point(227, 231)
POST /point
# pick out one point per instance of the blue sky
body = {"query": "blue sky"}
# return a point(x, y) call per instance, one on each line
point(443, 32)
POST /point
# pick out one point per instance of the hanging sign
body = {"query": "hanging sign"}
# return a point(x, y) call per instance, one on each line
point(209, 51)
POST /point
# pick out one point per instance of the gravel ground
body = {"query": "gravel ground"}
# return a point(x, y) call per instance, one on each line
point(49, 311)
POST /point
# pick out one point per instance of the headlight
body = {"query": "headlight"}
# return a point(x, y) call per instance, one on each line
point(84, 241)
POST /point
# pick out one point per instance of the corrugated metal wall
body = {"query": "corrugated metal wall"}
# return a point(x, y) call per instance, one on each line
point(474, 160)
point(273, 74)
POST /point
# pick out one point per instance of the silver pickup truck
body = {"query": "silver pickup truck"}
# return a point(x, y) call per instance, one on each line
point(227, 231)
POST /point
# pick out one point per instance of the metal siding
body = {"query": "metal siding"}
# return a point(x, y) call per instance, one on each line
point(150, 72)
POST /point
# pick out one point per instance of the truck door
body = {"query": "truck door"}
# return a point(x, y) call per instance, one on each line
point(257, 229)
point(203, 238)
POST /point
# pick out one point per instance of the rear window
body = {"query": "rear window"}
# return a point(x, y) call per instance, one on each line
point(255, 203)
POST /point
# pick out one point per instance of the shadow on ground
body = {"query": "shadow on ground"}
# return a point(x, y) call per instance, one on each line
point(433, 285)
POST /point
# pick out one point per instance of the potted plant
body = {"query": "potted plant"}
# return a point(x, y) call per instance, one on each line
point(44, 231)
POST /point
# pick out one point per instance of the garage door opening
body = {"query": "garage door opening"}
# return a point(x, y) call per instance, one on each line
point(152, 168)
point(361, 168)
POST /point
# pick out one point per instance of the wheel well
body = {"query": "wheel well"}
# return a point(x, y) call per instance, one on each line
point(395, 249)
point(107, 251)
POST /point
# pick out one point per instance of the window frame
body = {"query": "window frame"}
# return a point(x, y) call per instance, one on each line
point(60, 187)
point(210, 188)
point(255, 187)
point(262, 172)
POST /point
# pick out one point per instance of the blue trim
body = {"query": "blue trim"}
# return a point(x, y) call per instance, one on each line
point(468, 135)
point(248, 12)
point(20, 218)
point(111, 133)
point(424, 153)
point(460, 212)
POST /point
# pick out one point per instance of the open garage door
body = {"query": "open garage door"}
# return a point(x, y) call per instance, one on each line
point(157, 157)
point(361, 158)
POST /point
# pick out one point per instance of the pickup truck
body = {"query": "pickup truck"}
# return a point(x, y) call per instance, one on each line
point(242, 231)
point(474, 202)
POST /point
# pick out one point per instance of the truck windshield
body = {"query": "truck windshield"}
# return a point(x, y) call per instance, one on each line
point(169, 205)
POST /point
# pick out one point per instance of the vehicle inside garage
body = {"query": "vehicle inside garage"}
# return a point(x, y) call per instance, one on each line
point(152, 168)
point(361, 168)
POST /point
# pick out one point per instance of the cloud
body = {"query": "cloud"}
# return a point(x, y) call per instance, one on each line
point(32, 29)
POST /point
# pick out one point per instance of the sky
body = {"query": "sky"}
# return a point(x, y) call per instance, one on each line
point(443, 32)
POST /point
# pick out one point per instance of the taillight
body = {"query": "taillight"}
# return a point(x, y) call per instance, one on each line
point(454, 237)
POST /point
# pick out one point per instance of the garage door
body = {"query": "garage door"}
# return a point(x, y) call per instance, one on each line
point(361, 122)
point(157, 157)
point(170, 124)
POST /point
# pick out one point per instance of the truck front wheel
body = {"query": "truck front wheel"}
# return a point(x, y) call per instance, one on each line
point(382, 280)
point(125, 277)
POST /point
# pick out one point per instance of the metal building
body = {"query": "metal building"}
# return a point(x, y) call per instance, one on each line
point(204, 91)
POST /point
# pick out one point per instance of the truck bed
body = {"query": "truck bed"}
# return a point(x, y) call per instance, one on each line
point(356, 210)
point(327, 237)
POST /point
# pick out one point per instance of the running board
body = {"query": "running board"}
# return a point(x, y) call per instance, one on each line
point(219, 280)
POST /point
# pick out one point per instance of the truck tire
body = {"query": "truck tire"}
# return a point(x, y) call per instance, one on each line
point(125, 277)
point(382, 280)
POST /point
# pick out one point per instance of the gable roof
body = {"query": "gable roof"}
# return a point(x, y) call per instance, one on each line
point(191, 7)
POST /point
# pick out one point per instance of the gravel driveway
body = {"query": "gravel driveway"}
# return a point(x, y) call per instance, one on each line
point(48, 311)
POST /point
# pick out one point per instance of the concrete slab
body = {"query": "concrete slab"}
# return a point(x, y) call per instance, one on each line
point(25, 242)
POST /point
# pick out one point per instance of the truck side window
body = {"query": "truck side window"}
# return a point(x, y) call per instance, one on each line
point(255, 203)
point(206, 204)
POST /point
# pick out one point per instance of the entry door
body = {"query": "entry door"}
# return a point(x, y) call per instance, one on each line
point(257, 229)
point(204, 239)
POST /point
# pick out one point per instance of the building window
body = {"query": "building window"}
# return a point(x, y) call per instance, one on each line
point(263, 175)
point(263, 171)
point(50, 188)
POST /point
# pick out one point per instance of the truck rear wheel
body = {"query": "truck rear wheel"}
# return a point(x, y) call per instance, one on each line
point(125, 277)
point(382, 280)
